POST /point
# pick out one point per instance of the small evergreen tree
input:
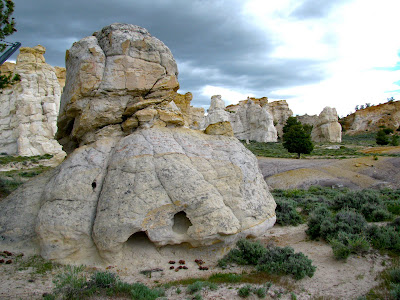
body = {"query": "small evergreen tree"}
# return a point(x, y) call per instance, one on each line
point(297, 140)
point(7, 24)
point(290, 122)
point(382, 138)
point(395, 140)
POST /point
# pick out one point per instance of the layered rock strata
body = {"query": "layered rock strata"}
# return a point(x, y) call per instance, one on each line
point(372, 118)
point(29, 108)
point(153, 178)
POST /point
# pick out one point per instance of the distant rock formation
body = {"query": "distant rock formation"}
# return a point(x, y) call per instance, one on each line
point(370, 119)
point(280, 111)
point(29, 108)
point(253, 122)
point(217, 119)
point(133, 168)
point(307, 119)
point(327, 128)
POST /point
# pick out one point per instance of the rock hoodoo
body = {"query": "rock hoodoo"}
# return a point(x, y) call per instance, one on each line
point(133, 168)
point(280, 111)
point(217, 120)
point(327, 128)
point(29, 108)
point(251, 121)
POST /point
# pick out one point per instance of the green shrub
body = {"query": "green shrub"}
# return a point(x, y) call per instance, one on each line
point(356, 199)
point(261, 292)
point(272, 260)
point(388, 130)
point(344, 244)
point(286, 213)
point(394, 275)
point(317, 217)
point(394, 141)
point(385, 238)
point(71, 283)
point(141, 292)
point(197, 286)
point(393, 206)
point(244, 291)
point(283, 261)
point(104, 279)
point(381, 138)
point(246, 253)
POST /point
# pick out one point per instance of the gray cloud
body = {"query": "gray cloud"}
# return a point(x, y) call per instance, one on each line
point(211, 37)
point(311, 9)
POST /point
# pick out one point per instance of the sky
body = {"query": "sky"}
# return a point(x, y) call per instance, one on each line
point(312, 53)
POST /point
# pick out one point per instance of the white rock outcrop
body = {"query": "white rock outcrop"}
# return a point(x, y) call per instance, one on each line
point(280, 112)
point(253, 122)
point(29, 108)
point(216, 112)
point(152, 177)
point(327, 128)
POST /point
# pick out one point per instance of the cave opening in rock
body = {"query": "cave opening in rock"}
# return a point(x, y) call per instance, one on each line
point(181, 223)
point(139, 238)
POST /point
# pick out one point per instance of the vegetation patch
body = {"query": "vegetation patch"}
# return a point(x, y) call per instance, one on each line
point(271, 259)
point(74, 284)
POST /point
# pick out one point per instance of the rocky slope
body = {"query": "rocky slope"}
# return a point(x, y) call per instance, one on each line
point(370, 119)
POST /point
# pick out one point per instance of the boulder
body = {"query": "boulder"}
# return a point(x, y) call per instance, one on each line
point(145, 175)
point(327, 128)
point(220, 128)
point(29, 108)
point(112, 75)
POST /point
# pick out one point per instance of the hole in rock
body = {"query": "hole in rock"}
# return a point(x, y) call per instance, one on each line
point(139, 238)
point(94, 184)
point(181, 223)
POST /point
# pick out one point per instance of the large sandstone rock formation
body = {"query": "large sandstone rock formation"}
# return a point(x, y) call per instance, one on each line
point(253, 122)
point(192, 116)
point(29, 108)
point(280, 112)
point(370, 119)
point(151, 177)
point(327, 128)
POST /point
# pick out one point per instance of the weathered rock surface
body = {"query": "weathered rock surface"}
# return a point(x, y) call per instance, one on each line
point(138, 170)
point(216, 112)
point(111, 76)
point(280, 112)
point(221, 128)
point(371, 118)
point(177, 185)
point(327, 128)
point(307, 119)
point(253, 122)
point(29, 108)
point(192, 116)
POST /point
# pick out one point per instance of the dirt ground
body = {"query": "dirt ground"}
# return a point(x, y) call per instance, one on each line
point(355, 173)
point(333, 279)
